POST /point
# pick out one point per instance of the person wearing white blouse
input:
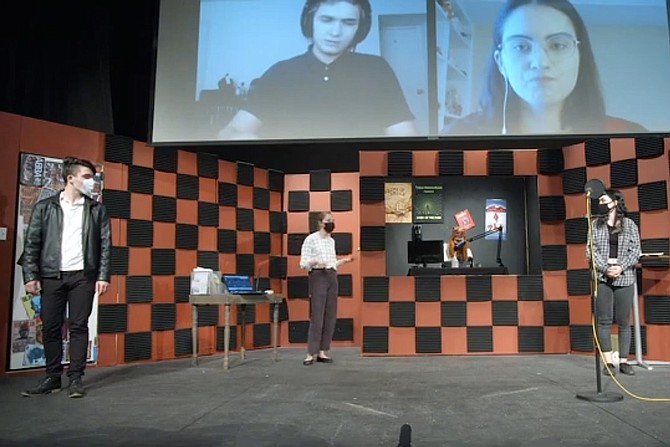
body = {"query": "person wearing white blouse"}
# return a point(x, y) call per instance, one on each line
point(319, 258)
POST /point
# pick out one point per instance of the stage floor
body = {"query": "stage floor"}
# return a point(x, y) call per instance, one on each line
point(448, 401)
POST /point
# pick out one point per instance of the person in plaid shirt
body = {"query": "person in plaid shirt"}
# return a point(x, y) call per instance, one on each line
point(616, 249)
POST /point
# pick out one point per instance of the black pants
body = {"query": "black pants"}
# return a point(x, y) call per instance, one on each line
point(614, 303)
point(77, 291)
point(323, 309)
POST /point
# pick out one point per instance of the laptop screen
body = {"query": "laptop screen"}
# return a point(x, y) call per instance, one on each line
point(238, 283)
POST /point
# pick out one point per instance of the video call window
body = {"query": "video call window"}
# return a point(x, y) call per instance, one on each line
point(293, 70)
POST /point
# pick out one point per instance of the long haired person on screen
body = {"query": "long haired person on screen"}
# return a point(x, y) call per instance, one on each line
point(330, 91)
point(542, 77)
point(318, 257)
point(616, 241)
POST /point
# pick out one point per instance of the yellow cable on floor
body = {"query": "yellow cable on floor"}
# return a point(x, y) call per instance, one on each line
point(619, 384)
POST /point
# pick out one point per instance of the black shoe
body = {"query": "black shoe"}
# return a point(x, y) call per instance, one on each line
point(626, 369)
point(47, 385)
point(308, 362)
point(324, 359)
point(609, 370)
point(76, 388)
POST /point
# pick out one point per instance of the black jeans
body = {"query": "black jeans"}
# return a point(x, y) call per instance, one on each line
point(77, 291)
point(614, 303)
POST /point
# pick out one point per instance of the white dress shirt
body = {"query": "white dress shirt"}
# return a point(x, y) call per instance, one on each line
point(72, 250)
point(320, 248)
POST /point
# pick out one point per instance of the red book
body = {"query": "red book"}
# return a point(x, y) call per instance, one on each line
point(464, 219)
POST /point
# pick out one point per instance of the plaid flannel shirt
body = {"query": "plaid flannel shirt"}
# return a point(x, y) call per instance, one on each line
point(629, 251)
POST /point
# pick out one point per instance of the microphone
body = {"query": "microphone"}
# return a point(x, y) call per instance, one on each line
point(594, 188)
point(405, 439)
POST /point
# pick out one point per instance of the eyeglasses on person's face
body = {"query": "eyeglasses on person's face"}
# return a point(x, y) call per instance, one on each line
point(557, 47)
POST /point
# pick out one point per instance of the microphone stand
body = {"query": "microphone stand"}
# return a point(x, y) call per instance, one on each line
point(499, 230)
point(597, 396)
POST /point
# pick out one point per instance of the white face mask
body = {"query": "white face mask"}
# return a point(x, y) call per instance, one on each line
point(87, 186)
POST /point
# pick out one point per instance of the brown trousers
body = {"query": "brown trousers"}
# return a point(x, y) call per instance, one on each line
point(323, 309)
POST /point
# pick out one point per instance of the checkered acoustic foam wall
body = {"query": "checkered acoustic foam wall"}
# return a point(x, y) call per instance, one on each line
point(171, 211)
point(547, 313)
point(307, 195)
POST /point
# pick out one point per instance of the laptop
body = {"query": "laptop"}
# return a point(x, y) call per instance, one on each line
point(240, 285)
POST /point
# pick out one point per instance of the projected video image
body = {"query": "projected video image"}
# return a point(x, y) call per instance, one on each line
point(324, 69)
point(294, 70)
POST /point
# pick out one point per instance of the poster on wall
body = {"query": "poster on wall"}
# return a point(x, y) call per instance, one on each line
point(428, 203)
point(40, 177)
point(495, 216)
point(398, 202)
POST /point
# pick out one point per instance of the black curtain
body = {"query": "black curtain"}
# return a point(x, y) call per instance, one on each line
point(81, 63)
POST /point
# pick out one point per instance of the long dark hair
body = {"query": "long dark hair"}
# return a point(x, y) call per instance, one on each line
point(621, 210)
point(584, 108)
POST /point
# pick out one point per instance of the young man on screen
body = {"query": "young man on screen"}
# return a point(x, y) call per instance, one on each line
point(330, 91)
point(66, 256)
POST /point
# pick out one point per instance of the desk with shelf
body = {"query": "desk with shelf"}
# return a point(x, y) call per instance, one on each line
point(227, 300)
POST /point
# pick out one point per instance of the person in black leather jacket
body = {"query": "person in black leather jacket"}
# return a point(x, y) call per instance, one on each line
point(66, 258)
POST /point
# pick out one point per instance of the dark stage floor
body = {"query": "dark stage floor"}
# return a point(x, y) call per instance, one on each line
point(448, 401)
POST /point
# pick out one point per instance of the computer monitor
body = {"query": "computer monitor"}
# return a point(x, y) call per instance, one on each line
point(425, 252)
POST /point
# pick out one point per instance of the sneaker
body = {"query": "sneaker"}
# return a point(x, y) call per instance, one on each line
point(626, 369)
point(76, 388)
point(609, 370)
point(47, 385)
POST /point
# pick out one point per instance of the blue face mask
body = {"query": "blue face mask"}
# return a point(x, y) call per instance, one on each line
point(87, 186)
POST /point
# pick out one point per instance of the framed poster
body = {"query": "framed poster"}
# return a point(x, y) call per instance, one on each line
point(495, 216)
point(40, 177)
point(398, 202)
point(428, 204)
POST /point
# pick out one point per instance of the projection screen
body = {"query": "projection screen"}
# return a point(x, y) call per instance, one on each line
point(232, 71)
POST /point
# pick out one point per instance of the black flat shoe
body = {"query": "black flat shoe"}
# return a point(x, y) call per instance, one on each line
point(626, 369)
point(308, 362)
point(324, 360)
point(609, 370)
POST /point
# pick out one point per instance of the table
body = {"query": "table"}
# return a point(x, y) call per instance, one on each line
point(227, 300)
point(440, 271)
point(636, 314)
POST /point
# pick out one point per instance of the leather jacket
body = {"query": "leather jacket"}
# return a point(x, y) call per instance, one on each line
point(42, 246)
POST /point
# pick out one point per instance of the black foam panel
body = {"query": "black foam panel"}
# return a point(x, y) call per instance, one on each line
point(399, 164)
point(319, 180)
point(375, 339)
point(451, 163)
point(428, 340)
point(137, 346)
point(550, 161)
point(531, 339)
point(165, 160)
point(118, 149)
point(480, 338)
point(501, 163)
point(375, 289)
point(188, 187)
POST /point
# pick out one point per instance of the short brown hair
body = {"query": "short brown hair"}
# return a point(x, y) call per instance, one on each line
point(71, 166)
